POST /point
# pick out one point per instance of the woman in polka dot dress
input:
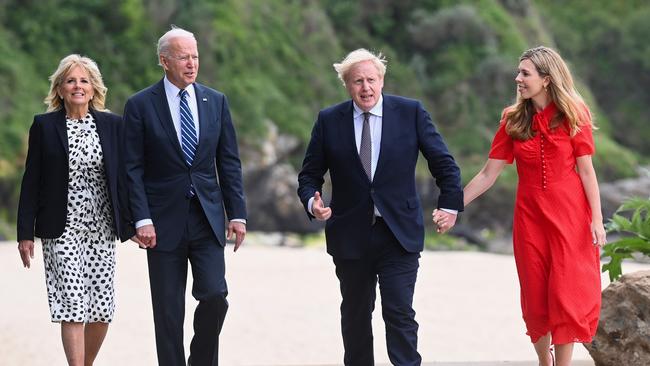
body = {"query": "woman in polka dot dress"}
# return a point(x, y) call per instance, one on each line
point(70, 198)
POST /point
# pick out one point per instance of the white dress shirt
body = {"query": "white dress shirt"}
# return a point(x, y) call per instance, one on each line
point(174, 102)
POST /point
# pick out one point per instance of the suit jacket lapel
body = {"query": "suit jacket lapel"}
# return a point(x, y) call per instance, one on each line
point(62, 129)
point(203, 106)
point(159, 99)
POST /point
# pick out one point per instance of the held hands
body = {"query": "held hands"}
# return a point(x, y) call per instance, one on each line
point(146, 236)
point(26, 250)
point(239, 228)
point(598, 233)
point(136, 240)
point(318, 208)
point(444, 220)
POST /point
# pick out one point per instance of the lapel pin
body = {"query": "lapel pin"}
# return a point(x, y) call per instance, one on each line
point(205, 99)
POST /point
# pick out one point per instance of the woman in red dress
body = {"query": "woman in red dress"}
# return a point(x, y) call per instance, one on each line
point(558, 224)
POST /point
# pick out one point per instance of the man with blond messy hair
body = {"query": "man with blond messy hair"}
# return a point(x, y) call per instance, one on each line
point(374, 228)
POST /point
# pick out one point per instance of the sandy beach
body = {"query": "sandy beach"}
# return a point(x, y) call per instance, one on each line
point(284, 311)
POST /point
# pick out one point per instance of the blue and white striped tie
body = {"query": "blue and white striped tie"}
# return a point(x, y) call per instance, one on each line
point(189, 140)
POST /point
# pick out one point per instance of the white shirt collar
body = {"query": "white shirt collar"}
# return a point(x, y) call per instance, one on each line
point(172, 90)
point(377, 110)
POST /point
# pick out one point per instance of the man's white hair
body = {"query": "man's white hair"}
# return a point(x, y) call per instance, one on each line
point(360, 55)
point(175, 32)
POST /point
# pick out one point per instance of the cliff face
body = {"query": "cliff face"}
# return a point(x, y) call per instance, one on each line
point(273, 60)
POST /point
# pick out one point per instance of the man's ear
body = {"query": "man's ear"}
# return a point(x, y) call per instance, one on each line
point(163, 62)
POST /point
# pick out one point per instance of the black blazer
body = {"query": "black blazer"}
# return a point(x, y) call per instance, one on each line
point(42, 209)
point(407, 130)
point(158, 176)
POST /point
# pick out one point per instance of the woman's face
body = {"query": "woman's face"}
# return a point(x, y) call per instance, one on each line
point(76, 89)
point(530, 83)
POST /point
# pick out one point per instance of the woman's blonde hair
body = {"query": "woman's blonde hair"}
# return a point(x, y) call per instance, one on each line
point(561, 90)
point(54, 101)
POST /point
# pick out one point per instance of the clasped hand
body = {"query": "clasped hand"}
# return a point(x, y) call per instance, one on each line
point(444, 220)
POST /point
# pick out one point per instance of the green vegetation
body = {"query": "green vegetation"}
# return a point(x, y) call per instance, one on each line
point(434, 241)
point(274, 61)
point(637, 235)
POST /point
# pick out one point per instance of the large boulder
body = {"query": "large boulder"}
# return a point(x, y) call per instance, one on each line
point(270, 183)
point(623, 336)
point(613, 194)
point(273, 204)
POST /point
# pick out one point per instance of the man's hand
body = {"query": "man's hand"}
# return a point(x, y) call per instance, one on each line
point(147, 236)
point(318, 208)
point(239, 229)
point(26, 250)
point(443, 220)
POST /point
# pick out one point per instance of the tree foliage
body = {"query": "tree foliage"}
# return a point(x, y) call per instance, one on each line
point(273, 59)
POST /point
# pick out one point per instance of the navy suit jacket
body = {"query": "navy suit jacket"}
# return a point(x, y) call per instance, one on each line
point(406, 130)
point(158, 176)
point(43, 205)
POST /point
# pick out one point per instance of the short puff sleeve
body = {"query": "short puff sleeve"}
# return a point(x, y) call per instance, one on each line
point(583, 142)
point(502, 144)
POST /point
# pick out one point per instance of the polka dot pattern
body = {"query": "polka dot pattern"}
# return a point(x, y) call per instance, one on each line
point(80, 264)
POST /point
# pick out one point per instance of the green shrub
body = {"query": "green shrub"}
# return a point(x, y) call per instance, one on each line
point(636, 239)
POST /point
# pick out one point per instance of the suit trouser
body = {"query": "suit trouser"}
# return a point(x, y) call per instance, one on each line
point(168, 277)
point(396, 269)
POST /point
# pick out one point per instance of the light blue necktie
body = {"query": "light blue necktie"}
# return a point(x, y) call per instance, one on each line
point(189, 140)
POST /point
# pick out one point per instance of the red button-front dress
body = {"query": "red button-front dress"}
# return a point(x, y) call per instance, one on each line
point(557, 264)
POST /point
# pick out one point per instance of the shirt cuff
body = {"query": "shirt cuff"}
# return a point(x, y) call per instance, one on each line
point(309, 204)
point(243, 221)
point(143, 222)
point(448, 210)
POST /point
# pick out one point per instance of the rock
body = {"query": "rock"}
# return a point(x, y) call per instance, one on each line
point(623, 336)
point(273, 204)
point(273, 149)
point(271, 184)
point(613, 194)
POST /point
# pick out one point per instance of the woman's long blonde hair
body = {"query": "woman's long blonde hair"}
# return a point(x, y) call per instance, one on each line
point(561, 90)
point(53, 99)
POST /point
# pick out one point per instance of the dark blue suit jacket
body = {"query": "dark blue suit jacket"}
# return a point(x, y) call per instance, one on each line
point(42, 209)
point(406, 130)
point(158, 177)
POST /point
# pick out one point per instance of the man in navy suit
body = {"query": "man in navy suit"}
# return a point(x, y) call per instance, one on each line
point(179, 135)
point(374, 227)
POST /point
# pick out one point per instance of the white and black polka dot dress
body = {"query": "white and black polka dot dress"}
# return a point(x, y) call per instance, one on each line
point(80, 264)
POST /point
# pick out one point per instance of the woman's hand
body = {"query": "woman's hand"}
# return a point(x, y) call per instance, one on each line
point(598, 234)
point(136, 240)
point(26, 250)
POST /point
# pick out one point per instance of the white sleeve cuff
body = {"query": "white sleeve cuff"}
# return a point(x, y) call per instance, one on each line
point(143, 222)
point(309, 204)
